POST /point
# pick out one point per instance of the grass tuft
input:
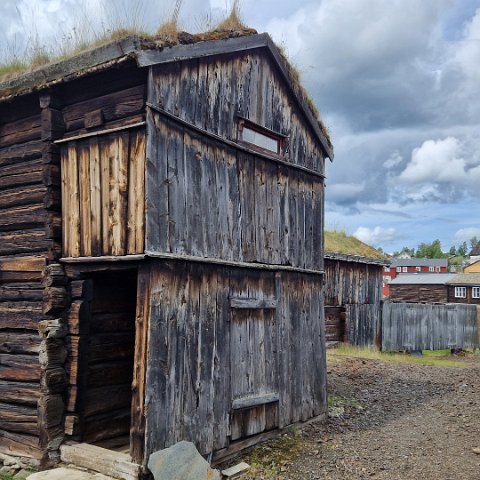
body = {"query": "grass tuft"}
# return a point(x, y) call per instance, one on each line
point(371, 354)
point(233, 22)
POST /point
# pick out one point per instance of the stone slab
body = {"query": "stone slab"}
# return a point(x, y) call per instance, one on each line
point(181, 462)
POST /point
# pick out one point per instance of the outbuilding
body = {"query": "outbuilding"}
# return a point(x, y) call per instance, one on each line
point(161, 253)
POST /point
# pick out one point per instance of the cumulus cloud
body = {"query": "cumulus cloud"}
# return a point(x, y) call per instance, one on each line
point(341, 192)
point(465, 234)
point(376, 235)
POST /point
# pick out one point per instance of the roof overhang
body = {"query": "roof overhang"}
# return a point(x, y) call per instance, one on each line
point(146, 53)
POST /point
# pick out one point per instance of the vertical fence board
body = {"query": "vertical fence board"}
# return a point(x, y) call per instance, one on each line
point(414, 327)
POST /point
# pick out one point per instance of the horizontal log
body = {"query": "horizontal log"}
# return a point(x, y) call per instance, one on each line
point(20, 315)
point(20, 131)
point(52, 353)
point(31, 263)
point(112, 106)
point(107, 425)
point(25, 368)
point(21, 393)
point(105, 399)
point(21, 343)
point(110, 373)
point(20, 153)
point(20, 277)
point(19, 242)
point(20, 445)
point(19, 418)
point(21, 174)
point(22, 218)
point(24, 195)
point(20, 291)
point(115, 346)
point(54, 299)
point(54, 380)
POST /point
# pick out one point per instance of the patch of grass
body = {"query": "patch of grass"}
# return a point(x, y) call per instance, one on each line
point(271, 458)
point(370, 354)
point(4, 476)
point(337, 241)
point(233, 22)
point(337, 405)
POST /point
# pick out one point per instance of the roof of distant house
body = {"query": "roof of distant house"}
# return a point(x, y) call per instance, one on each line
point(419, 262)
point(423, 279)
point(465, 279)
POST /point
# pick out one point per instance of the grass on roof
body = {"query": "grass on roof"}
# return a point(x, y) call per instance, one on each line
point(339, 242)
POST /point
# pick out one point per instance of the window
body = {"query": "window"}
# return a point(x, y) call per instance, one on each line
point(431, 269)
point(418, 269)
point(404, 269)
point(437, 269)
point(386, 279)
point(261, 138)
point(386, 269)
point(399, 269)
point(475, 292)
point(460, 292)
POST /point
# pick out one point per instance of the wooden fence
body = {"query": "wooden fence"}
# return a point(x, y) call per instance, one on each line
point(415, 326)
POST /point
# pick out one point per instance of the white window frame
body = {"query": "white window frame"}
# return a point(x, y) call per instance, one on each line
point(404, 269)
point(460, 292)
point(418, 269)
point(386, 269)
point(399, 269)
point(475, 292)
point(437, 269)
point(431, 269)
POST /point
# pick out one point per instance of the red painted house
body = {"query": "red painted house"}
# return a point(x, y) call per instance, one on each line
point(411, 265)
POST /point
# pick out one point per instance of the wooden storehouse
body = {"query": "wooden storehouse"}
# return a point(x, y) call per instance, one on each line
point(420, 288)
point(161, 250)
point(353, 295)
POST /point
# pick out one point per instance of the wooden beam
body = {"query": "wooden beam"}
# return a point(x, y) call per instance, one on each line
point(253, 303)
point(107, 131)
point(249, 402)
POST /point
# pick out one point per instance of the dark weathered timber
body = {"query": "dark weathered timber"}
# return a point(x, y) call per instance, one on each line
point(416, 327)
point(418, 293)
point(182, 351)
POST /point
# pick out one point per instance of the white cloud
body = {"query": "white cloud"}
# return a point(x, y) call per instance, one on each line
point(393, 160)
point(465, 234)
point(436, 161)
point(376, 235)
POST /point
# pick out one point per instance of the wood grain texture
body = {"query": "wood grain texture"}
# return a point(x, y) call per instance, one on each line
point(103, 191)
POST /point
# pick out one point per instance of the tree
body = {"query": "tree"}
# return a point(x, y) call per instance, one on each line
point(462, 249)
point(453, 251)
point(430, 250)
point(473, 241)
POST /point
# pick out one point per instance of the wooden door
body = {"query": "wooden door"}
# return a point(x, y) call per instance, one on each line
point(253, 360)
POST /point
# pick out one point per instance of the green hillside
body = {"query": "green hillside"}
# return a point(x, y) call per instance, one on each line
point(340, 242)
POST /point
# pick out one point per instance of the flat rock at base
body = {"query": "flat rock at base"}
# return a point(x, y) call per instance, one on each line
point(181, 462)
point(67, 474)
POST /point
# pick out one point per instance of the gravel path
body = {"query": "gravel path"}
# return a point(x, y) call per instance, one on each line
point(395, 421)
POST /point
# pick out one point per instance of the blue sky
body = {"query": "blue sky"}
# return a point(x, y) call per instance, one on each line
point(397, 82)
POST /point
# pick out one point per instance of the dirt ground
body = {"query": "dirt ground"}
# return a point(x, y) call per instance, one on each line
point(388, 421)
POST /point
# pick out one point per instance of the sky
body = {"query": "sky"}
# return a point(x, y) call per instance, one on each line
point(397, 83)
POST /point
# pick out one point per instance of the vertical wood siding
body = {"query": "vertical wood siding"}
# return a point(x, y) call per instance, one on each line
point(200, 325)
point(414, 327)
point(103, 195)
point(207, 200)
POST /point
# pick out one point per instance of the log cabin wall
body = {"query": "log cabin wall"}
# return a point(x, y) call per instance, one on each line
point(32, 284)
point(231, 353)
point(352, 295)
point(418, 293)
point(208, 198)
